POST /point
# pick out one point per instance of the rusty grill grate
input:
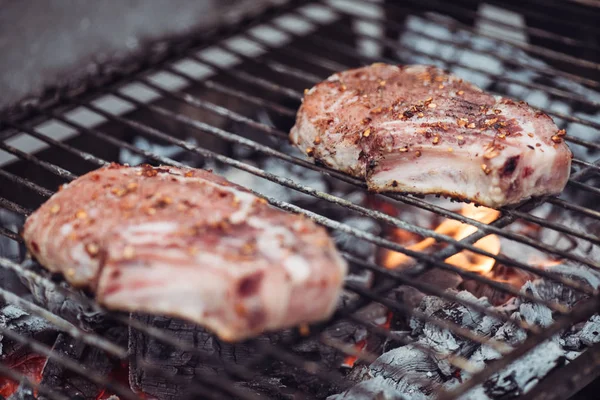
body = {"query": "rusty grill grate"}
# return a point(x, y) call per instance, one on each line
point(257, 85)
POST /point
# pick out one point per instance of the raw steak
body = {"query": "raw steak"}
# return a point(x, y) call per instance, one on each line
point(187, 243)
point(418, 129)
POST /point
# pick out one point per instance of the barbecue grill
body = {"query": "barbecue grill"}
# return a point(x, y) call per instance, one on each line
point(225, 99)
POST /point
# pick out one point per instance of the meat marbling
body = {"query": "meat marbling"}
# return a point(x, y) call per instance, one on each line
point(421, 130)
point(187, 243)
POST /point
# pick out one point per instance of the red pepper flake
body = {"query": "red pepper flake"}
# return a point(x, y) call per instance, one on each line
point(486, 169)
point(556, 139)
point(403, 149)
point(561, 133)
point(367, 120)
point(418, 153)
point(471, 125)
point(538, 144)
point(497, 111)
point(92, 249)
point(502, 136)
point(488, 155)
point(150, 173)
point(118, 191)
point(367, 132)
point(420, 115)
point(492, 121)
point(317, 140)
point(189, 174)
point(81, 214)
point(461, 122)
point(460, 92)
point(436, 139)
point(382, 83)
point(530, 134)
point(310, 151)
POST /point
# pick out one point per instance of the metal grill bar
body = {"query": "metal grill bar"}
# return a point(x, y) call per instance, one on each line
point(582, 312)
point(207, 128)
point(267, 150)
point(15, 376)
point(194, 101)
point(333, 224)
point(366, 295)
point(457, 9)
point(68, 364)
point(336, 46)
point(64, 325)
point(95, 340)
point(444, 295)
point(529, 48)
point(462, 363)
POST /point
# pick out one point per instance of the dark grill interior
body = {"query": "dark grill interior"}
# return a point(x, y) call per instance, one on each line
point(226, 101)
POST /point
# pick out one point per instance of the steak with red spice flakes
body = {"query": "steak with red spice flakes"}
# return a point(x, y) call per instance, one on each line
point(187, 243)
point(418, 129)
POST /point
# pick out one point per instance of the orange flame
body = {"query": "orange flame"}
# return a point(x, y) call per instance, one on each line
point(466, 259)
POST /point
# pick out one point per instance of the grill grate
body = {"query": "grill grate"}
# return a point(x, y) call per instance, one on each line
point(265, 69)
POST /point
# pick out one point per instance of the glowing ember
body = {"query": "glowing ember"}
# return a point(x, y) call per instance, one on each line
point(349, 361)
point(467, 260)
point(31, 366)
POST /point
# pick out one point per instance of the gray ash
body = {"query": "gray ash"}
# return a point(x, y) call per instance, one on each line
point(398, 371)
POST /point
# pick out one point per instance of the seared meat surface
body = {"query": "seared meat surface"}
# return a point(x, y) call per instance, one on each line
point(418, 129)
point(187, 243)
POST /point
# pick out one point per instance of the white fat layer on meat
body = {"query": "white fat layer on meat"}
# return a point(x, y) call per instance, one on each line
point(297, 267)
point(271, 240)
point(270, 243)
point(148, 232)
point(432, 172)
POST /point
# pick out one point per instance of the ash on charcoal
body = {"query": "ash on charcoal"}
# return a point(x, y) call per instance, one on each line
point(521, 376)
point(377, 388)
point(26, 325)
point(73, 384)
point(186, 365)
point(438, 278)
point(267, 377)
point(23, 392)
point(402, 373)
point(590, 334)
point(407, 365)
point(58, 303)
point(553, 291)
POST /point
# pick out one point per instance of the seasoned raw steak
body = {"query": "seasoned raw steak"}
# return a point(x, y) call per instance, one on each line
point(421, 130)
point(190, 244)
